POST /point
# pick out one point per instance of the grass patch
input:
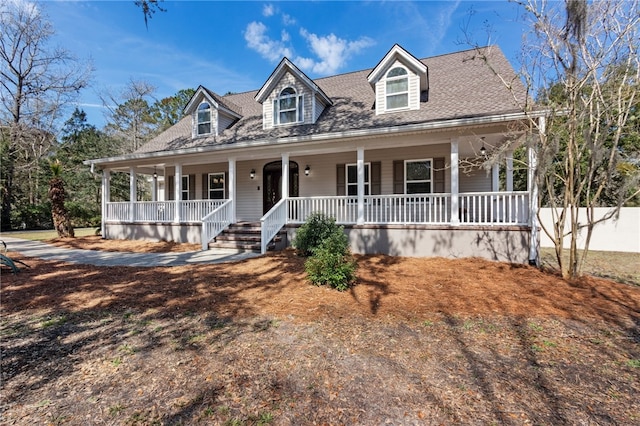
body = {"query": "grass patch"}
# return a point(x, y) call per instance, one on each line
point(47, 234)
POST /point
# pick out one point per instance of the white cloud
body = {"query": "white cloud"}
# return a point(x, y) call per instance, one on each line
point(268, 10)
point(270, 49)
point(332, 52)
point(288, 19)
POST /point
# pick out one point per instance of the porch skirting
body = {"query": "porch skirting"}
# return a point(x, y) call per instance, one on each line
point(509, 243)
point(150, 231)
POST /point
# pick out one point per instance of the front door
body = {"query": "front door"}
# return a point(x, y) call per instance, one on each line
point(272, 183)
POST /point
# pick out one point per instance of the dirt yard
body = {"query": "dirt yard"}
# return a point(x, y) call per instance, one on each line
point(416, 341)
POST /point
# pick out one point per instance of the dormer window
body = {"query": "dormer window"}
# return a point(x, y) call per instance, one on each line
point(288, 107)
point(397, 84)
point(204, 119)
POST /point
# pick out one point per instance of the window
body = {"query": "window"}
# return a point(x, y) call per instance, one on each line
point(288, 107)
point(216, 186)
point(185, 187)
point(352, 179)
point(418, 176)
point(204, 119)
point(397, 88)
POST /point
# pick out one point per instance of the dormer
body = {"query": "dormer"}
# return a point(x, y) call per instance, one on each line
point(290, 98)
point(399, 81)
point(210, 113)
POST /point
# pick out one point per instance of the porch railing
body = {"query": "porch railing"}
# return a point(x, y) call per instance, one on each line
point(272, 222)
point(160, 211)
point(480, 208)
point(215, 222)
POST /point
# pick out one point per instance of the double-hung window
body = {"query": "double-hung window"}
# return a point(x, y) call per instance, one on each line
point(352, 179)
point(216, 186)
point(204, 119)
point(397, 85)
point(288, 107)
point(418, 176)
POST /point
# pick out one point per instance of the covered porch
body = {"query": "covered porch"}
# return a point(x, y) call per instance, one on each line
point(254, 185)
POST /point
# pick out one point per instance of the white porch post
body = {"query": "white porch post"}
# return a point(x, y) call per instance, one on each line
point(177, 183)
point(154, 187)
point(232, 188)
point(360, 169)
point(509, 160)
point(455, 204)
point(532, 185)
point(106, 197)
point(133, 194)
point(495, 177)
point(285, 175)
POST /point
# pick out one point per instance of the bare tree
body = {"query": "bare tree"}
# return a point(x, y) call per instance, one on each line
point(580, 63)
point(129, 115)
point(37, 81)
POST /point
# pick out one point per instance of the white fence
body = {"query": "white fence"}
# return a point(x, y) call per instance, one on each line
point(622, 234)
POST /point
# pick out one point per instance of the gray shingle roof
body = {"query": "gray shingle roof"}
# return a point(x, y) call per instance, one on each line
point(461, 85)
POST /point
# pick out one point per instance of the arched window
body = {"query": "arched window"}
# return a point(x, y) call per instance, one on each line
point(397, 88)
point(288, 107)
point(204, 119)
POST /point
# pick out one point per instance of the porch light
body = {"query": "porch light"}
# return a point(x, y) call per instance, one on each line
point(252, 173)
point(307, 170)
point(155, 174)
point(483, 150)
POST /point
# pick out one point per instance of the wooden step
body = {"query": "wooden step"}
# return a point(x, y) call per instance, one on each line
point(244, 236)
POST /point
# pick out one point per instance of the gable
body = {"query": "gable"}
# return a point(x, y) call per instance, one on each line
point(210, 114)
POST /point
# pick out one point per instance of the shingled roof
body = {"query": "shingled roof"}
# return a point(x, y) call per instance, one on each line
point(461, 86)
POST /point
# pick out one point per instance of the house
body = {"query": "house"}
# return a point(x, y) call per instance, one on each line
point(395, 153)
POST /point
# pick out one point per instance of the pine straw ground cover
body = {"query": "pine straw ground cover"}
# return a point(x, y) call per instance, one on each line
point(416, 341)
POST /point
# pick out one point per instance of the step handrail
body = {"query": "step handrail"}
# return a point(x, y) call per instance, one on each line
point(272, 222)
point(216, 222)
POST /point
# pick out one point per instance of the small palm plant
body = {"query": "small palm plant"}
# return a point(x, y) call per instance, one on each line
point(57, 195)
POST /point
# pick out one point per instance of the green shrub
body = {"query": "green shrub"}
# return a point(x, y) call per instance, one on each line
point(316, 229)
point(332, 263)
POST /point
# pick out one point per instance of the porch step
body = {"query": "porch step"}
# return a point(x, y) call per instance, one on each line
point(244, 236)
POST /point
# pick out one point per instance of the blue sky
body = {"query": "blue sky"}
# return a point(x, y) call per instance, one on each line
point(234, 46)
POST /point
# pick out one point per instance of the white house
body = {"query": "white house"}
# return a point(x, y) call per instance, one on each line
point(379, 149)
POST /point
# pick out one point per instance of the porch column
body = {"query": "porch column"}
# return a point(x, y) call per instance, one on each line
point(133, 194)
point(532, 185)
point(509, 159)
point(285, 175)
point(455, 203)
point(177, 183)
point(106, 197)
point(232, 188)
point(154, 187)
point(360, 169)
point(495, 177)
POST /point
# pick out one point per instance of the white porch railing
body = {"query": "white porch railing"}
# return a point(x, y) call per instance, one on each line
point(494, 208)
point(272, 222)
point(215, 222)
point(160, 211)
point(481, 208)
point(343, 209)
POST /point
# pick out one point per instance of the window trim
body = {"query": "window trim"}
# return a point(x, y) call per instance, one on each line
point(388, 79)
point(367, 184)
point(430, 180)
point(210, 190)
point(299, 107)
point(198, 122)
